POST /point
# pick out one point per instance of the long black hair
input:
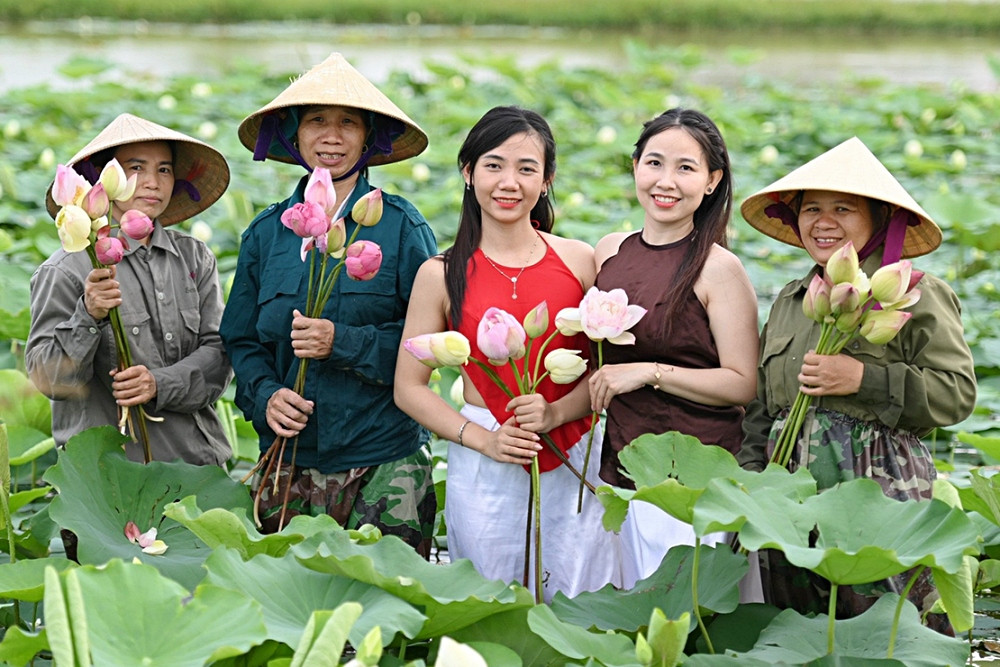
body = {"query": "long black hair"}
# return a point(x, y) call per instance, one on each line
point(712, 216)
point(495, 127)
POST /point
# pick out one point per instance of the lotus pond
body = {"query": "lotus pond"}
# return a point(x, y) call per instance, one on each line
point(222, 594)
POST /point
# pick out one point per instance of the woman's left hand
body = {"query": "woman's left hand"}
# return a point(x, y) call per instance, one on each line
point(311, 338)
point(613, 379)
point(830, 374)
point(533, 413)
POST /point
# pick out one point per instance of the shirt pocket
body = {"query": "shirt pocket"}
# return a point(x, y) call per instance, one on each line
point(774, 359)
point(280, 292)
point(138, 329)
point(866, 352)
point(364, 302)
point(190, 330)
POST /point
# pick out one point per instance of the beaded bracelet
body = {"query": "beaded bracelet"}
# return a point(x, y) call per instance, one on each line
point(461, 431)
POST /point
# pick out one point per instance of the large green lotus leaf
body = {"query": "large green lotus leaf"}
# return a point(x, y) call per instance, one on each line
point(863, 536)
point(100, 491)
point(795, 639)
point(610, 648)
point(982, 495)
point(19, 647)
point(27, 444)
point(705, 660)
point(738, 630)
point(289, 593)
point(497, 655)
point(136, 616)
point(956, 594)
point(221, 527)
point(322, 642)
point(22, 498)
point(452, 597)
point(510, 628)
point(21, 404)
point(25, 579)
point(668, 589)
point(651, 458)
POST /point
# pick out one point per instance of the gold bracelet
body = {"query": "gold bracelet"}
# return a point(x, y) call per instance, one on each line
point(656, 375)
point(461, 431)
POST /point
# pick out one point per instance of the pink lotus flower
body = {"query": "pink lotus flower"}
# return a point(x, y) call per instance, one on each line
point(537, 320)
point(306, 219)
point(367, 211)
point(500, 337)
point(136, 224)
point(109, 250)
point(69, 187)
point(843, 265)
point(96, 202)
point(816, 302)
point(608, 316)
point(881, 326)
point(446, 348)
point(116, 184)
point(73, 226)
point(319, 190)
point(893, 286)
point(363, 260)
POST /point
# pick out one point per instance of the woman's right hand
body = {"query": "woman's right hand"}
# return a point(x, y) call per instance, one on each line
point(511, 444)
point(287, 412)
point(101, 292)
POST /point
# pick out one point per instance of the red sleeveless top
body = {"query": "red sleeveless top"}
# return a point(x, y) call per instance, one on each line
point(549, 280)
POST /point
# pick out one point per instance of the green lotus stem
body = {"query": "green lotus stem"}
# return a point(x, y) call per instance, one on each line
point(899, 610)
point(312, 270)
point(536, 492)
point(694, 594)
point(538, 358)
point(590, 436)
point(527, 538)
point(832, 613)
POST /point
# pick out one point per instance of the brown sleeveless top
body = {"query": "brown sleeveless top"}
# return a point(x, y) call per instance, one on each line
point(646, 273)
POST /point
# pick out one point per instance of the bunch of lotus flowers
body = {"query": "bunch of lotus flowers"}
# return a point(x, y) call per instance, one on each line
point(84, 222)
point(847, 303)
point(323, 235)
point(503, 340)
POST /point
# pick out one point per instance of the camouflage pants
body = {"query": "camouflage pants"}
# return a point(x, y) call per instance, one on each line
point(396, 497)
point(837, 448)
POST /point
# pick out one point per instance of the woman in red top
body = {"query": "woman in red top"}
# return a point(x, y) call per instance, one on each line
point(505, 257)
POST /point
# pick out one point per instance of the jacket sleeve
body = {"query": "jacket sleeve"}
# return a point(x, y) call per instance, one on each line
point(756, 422)
point(254, 363)
point(199, 379)
point(369, 350)
point(935, 384)
point(63, 338)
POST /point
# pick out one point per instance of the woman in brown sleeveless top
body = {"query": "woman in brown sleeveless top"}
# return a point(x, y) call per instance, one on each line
point(693, 365)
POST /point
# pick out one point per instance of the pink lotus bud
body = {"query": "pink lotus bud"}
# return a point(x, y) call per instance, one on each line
point(306, 219)
point(115, 183)
point(565, 366)
point(849, 320)
point(568, 321)
point(109, 250)
point(319, 190)
point(446, 348)
point(136, 224)
point(536, 322)
point(335, 239)
point(420, 348)
point(843, 266)
point(69, 187)
point(367, 211)
point(844, 298)
point(500, 336)
point(608, 315)
point(915, 277)
point(363, 260)
point(891, 282)
point(73, 225)
point(816, 302)
point(96, 202)
point(881, 326)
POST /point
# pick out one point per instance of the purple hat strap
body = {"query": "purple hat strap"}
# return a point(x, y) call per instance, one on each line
point(784, 213)
point(270, 129)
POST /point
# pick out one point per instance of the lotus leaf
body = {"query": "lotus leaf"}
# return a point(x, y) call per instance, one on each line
point(25, 579)
point(610, 648)
point(510, 628)
point(325, 635)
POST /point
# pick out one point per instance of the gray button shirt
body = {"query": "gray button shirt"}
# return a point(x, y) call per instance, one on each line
point(171, 308)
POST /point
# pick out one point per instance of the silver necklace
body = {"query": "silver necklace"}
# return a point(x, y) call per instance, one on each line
point(513, 279)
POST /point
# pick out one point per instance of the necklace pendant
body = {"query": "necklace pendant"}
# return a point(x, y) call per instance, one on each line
point(514, 280)
point(514, 296)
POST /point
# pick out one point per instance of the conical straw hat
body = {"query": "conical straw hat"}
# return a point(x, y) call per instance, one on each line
point(194, 161)
point(334, 82)
point(852, 168)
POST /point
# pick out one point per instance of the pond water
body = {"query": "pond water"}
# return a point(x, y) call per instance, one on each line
point(32, 53)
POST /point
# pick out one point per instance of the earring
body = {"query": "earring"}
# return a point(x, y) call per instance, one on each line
point(545, 193)
point(468, 186)
point(364, 149)
point(709, 191)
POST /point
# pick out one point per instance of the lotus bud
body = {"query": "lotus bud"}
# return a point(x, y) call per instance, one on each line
point(500, 337)
point(73, 225)
point(115, 181)
point(881, 326)
point(96, 202)
point(336, 238)
point(844, 298)
point(843, 265)
point(69, 187)
point(536, 322)
point(457, 390)
point(849, 320)
point(420, 348)
point(568, 321)
point(816, 302)
point(319, 190)
point(565, 366)
point(306, 219)
point(451, 348)
point(363, 260)
point(367, 211)
point(891, 282)
point(136, 224)
point(132, 531)
point(109, 250)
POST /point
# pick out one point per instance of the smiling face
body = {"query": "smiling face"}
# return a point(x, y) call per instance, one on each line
point(508, 179)
point(332, 137)
point(153, 164)
point(672, 177)
point(828, 220)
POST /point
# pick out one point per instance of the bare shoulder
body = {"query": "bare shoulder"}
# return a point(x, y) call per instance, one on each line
point(609, 245)
point(723, 265)
point(577, 255)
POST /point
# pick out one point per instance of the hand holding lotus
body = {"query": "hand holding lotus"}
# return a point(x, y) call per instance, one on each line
point(830, 374)
point(101, 292)
point(312, 338)
point(134, 385)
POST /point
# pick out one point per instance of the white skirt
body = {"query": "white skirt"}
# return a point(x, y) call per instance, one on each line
point(486, 506)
